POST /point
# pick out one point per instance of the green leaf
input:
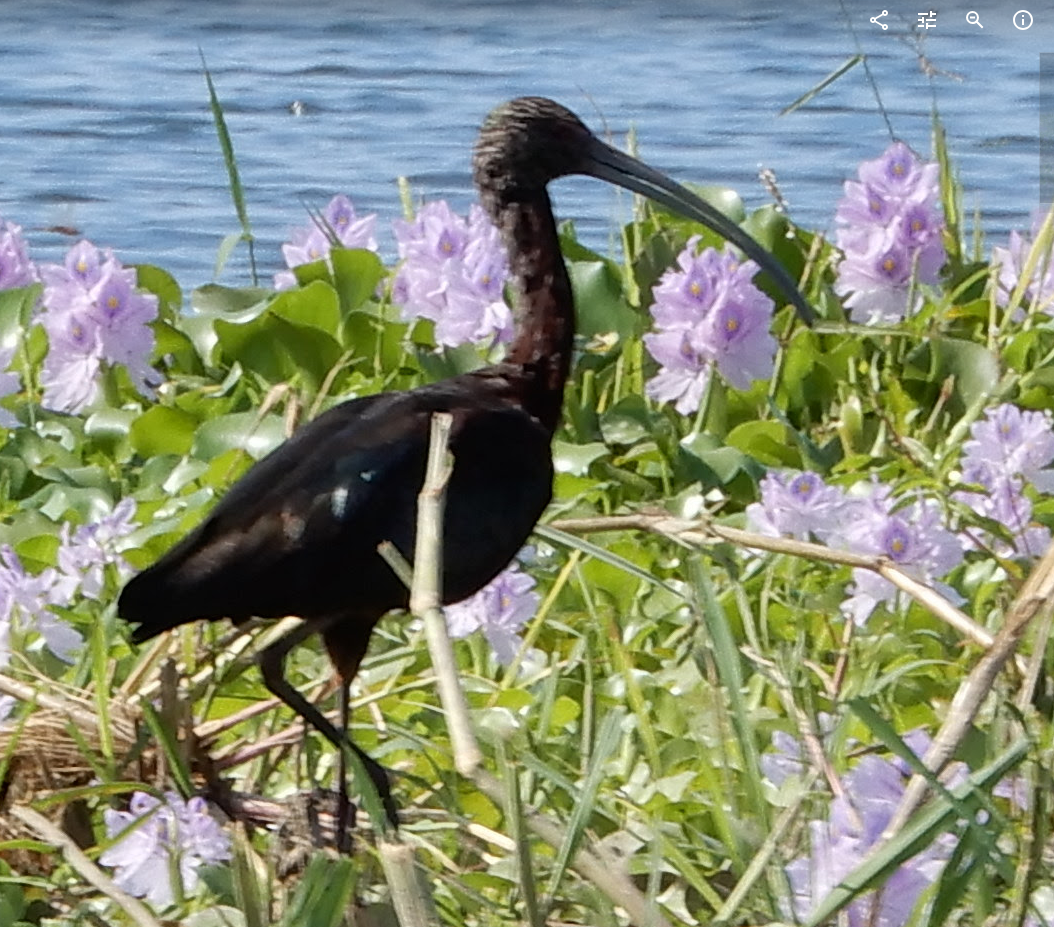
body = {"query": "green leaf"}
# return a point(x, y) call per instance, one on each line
point(231, 163)
point(765, 441)
point(628, 421)
point(356, 273)
point(223, 253)
point(240, 431)
point(163, 430)
point(109, 428)
point(294, 337)
point(235, 304)
point(974, 368)
point(576, 458)
point(163, 285)
point(822, 85)
point(323, 894)
point(16, 310)
point(600, 306)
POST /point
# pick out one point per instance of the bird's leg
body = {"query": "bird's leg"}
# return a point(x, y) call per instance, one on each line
point(272, 666)
point(345, 812)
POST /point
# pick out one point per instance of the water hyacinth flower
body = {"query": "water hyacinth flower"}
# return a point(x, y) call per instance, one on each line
point(93, 314)
point(1009, 449)
point(86, 551)
point(16, 269)
point(796, 505)
point(499, 609)
point(708, 315)
point(338, 225)
point(159, 842)
point(839, 843)
point(864, 520)
point(453, 272)
point(26, 599)
point(1011, 260)
point(913, 537)
point(890, 233)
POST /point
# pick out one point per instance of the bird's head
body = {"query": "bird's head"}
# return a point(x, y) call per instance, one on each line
point(525, 143)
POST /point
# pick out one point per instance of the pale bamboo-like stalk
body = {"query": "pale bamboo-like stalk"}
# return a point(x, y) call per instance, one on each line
point(410, 895)
point(425, 602)
point(702, 531)
point(426, 597)
point(1034, 597)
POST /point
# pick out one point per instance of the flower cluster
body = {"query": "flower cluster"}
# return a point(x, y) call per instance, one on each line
point(708, 314)
point(797, 505)
point(499, 609)
point(890, 233)
point(1008, 450)
point(857, 818)
point(92, 313)
point(1011, 261)
point(161, 845)
point(865, 520)
point(27, 599)
point(337, 225)
point(16, 269)
point(453, 272)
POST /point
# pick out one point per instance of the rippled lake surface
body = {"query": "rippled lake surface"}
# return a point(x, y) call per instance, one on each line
point(105, 126)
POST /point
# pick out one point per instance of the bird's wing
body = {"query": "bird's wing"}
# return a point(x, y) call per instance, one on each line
point(328, 495)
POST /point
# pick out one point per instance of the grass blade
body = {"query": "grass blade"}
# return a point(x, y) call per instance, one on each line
point(227, 147)
point(845, 66)
point(912, 839)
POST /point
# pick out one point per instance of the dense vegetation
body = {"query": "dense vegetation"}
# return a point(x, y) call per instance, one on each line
point(780, 561)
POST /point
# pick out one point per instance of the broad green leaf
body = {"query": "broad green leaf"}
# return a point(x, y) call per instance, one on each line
point(163, 285)
point(576, 458)
point(356, 273)
point(767, 442)
point(627, 422)
point(163, 430)
point(600, 306)
point(242, 431)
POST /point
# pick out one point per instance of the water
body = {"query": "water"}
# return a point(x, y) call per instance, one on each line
point(104, 121)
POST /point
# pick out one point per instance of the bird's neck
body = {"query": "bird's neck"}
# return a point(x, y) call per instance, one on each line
point(545, 324)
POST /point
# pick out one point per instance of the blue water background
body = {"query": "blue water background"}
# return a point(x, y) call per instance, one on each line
point(104, 121)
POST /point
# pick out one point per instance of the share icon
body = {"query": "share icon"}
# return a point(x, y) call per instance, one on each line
point(877, 20)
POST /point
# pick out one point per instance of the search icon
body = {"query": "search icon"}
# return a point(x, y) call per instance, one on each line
point(973, 19)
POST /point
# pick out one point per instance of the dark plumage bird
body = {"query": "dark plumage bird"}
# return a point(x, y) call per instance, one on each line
point(298, 534)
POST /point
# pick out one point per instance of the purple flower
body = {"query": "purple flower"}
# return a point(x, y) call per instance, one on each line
point(83, 556)
point(26, 598)
point(1011, 262)
point(900, 177)
point(1011, 442)
point(454, 272)
point(795, 505)
point(913, 537)
point(16, 269)
point(500, 609)
point(708, 314)
point(93, 314)
point(1008, 449)
point(159, 846)
point(313, 243)
point(890, 233)
point(86, 551)
point(837, 845)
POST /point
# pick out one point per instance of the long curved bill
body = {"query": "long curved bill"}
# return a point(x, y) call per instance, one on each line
point(607, 163)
